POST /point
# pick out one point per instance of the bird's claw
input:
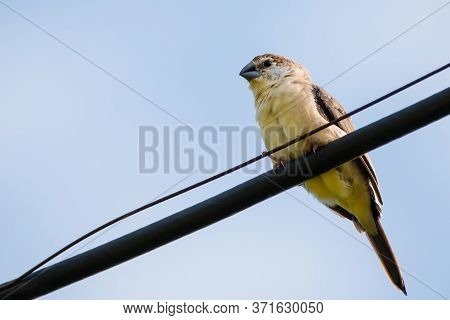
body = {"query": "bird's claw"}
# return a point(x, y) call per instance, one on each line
point(277, 163)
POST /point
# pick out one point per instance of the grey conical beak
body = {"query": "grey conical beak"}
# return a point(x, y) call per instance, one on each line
point(249, 72)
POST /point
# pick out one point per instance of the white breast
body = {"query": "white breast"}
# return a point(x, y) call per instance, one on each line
point(284, 112)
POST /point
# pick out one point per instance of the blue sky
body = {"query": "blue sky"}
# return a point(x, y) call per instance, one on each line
point(69, 135)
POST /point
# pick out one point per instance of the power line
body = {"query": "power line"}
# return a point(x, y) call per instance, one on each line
point(354, 237)
point(129, 87)
point(224, 173)
point(231, 201)
point(388, 43)
point(91, 62)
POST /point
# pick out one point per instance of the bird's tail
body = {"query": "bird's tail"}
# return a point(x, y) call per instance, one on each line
point(384, 251)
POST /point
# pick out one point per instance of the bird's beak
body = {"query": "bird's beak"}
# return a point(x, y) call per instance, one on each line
point(249, 72)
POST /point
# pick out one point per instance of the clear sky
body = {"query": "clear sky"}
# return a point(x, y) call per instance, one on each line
point(69, 141)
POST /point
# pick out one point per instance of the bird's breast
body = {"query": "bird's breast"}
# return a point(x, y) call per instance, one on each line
point(285, 112)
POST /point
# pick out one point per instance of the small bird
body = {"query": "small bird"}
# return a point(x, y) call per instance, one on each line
point(289, 104)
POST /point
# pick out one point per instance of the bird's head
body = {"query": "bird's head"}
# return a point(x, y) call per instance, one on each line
point(268, 69)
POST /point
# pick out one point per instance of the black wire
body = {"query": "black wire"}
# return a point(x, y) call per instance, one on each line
point(219, 175)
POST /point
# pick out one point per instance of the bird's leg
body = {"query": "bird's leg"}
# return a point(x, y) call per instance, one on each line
point(277, 163)
point(314, 148)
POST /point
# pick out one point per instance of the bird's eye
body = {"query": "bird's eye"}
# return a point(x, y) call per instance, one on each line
point(267, 63)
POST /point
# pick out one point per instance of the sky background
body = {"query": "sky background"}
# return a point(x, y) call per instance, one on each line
point(69, 141)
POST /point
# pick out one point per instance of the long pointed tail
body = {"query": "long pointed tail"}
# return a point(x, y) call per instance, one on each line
point(384, 251)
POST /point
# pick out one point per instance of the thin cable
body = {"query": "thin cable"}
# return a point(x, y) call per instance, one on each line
point(222, 174)
point(91, 62)
point(355, 238)
point(90, 241)
point(387, 43)
point(129, 87)
point(357, 110)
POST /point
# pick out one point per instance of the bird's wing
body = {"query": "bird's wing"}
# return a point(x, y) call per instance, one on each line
point(331, 109)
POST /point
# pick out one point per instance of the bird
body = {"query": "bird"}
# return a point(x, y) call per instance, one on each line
point(289, 104)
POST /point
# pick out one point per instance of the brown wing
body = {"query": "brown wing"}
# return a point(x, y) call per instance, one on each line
point(345, 214)
point(331, 109)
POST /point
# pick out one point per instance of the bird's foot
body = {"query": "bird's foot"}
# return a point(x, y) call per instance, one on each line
point(278, 164)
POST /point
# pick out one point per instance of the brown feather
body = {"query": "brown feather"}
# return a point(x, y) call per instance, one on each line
point(384, 251)
point(378, 241)
point(323, 102)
